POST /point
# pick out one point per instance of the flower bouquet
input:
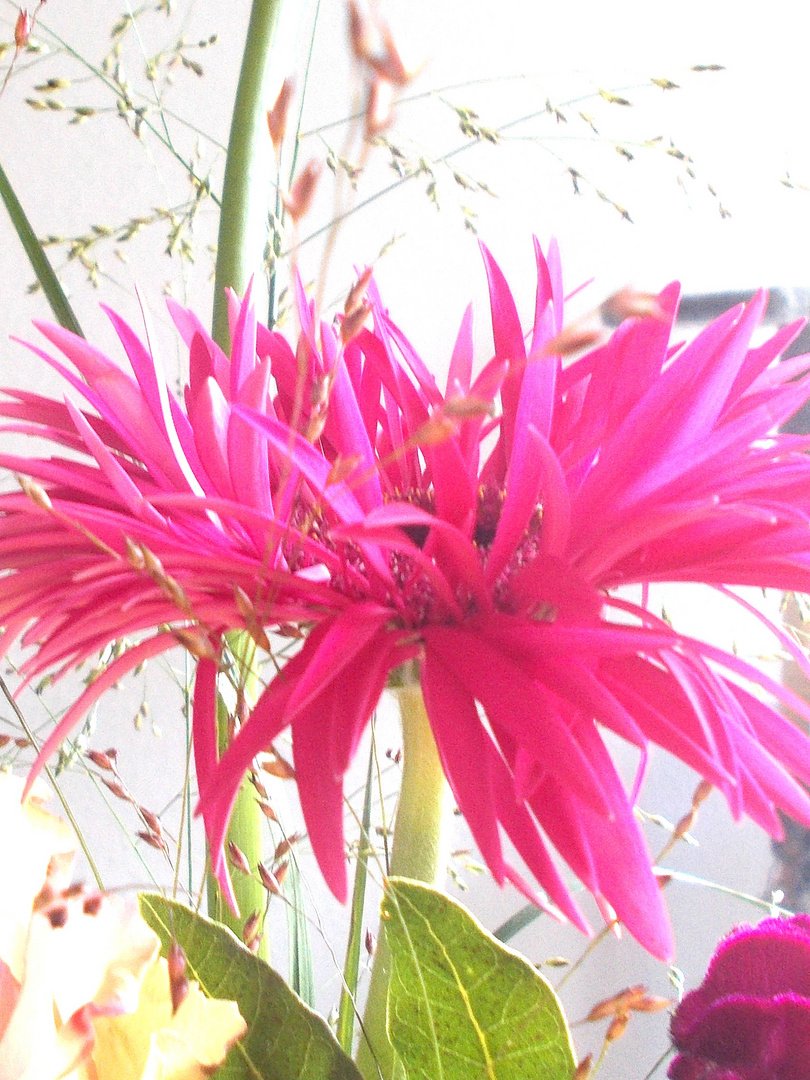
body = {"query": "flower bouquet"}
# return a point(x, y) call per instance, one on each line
point(315, 522)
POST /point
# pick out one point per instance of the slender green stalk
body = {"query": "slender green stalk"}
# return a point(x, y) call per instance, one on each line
point(351, 967)
point(245, 828)
point(247, 185)
point(98, 73)
point(419, 852)
point(36, 256)
point(242, 230)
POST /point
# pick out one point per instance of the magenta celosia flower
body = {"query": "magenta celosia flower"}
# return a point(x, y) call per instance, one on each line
point(363, 501)
point(750, 1018)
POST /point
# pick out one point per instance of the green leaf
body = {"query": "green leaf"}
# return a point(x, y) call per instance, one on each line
point(460, 1004)
point(285, 1040)
point(302, 976)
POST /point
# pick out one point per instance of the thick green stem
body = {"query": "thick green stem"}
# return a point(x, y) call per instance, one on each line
point(245, 831)
point(420, 851)
point(248, 177)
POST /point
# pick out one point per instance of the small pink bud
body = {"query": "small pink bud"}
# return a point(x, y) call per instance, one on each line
point(238, 858)
point(285, 845)
point(379, 106)
point(117, 789)
point(277, 766)
point(616, 1028)
point(277, 116)
point(269, 879)
point(101, 760)
point(299, 199)
point(22, 29)
point(178, 982)
point(360, 32)
point(580, 335)
point(250, 931)
point(618, 1004)
point(355, 295)
point(628, 303)
point(390, 64)
point(196, 641)
point(152, 820)
point(153, 840)
point(584, 1069)
point(352, 323)
point(267, 809)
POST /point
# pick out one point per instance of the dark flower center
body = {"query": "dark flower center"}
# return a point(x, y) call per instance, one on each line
point(422, 604)
point(416, 598)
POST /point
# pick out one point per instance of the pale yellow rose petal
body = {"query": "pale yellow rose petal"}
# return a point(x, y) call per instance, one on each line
point(102, 957)
point(34, 1046)
point(31, 840)
point(151, 1044)
point(199, 1036)
point(85, 958)
point(123, 1043)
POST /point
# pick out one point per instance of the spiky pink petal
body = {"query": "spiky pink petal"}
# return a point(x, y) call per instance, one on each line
point(336, 487)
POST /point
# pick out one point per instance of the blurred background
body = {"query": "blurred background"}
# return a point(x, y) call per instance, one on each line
point(654, 141)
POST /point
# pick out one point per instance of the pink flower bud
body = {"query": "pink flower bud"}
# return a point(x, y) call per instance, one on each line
point(22, 29)
point(302, 192)
point(360, 32)
point(277, 116)
point(379, 106)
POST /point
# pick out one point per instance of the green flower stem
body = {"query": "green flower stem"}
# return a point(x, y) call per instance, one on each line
point(242, 228)
point(244, 830)
point(247, 185)
point(246, 825)
point(420, 852)
point(40, 263)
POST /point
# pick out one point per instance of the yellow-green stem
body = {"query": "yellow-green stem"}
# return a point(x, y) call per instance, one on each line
point(419, 851)
point(247, 185)
point(245, 831)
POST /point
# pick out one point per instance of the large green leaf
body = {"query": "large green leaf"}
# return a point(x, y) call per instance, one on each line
point(460, 1004)
point(285, 1040)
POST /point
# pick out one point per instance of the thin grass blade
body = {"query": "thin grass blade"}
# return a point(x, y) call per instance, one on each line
point(351, 968)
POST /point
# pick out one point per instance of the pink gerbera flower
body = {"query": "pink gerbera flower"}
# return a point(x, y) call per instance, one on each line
point(361, 500)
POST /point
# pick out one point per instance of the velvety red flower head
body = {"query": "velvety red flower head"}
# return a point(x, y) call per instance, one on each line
point(481, 532)
point(750, 1018)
